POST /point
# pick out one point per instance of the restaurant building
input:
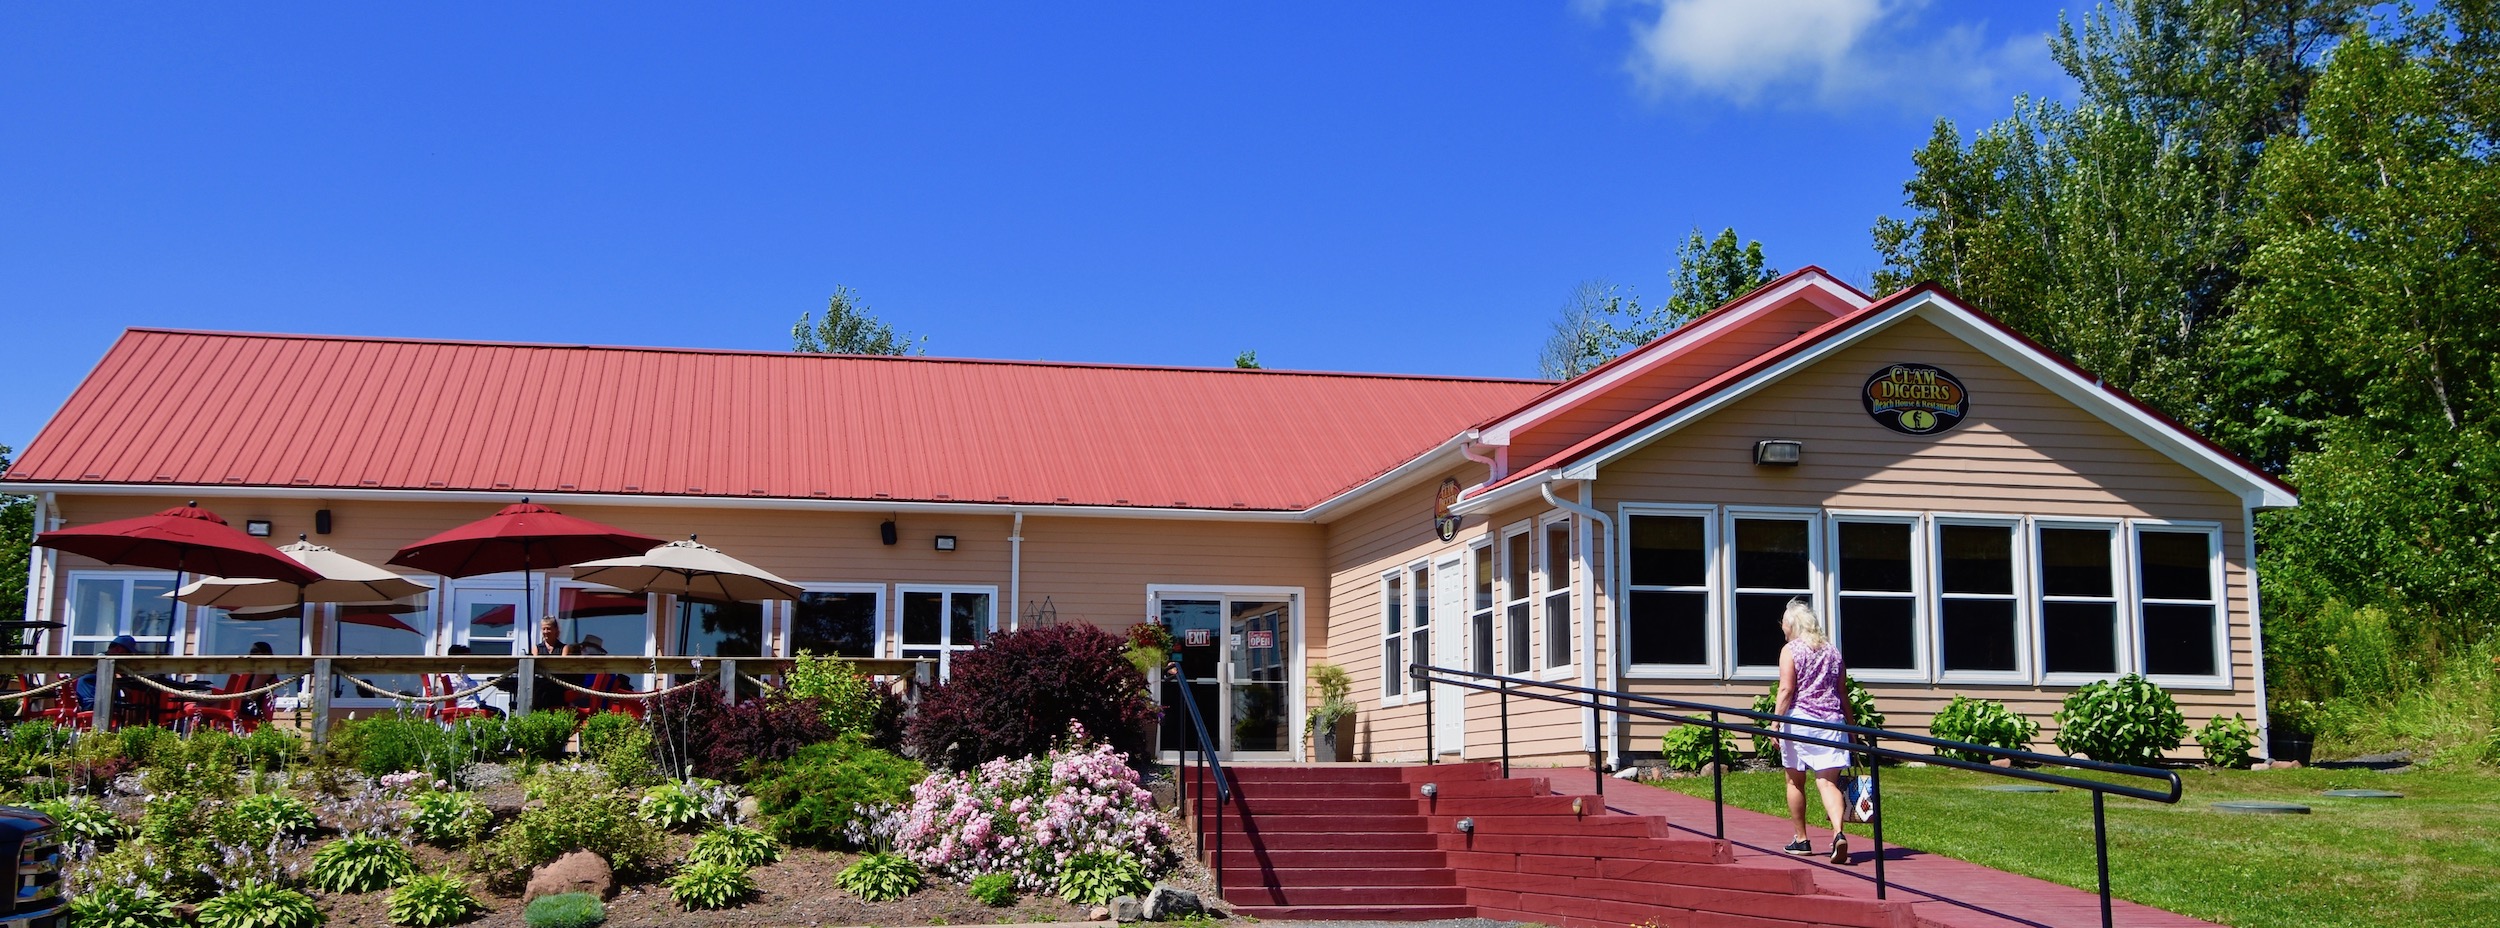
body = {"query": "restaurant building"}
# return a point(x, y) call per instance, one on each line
point(1973, 514)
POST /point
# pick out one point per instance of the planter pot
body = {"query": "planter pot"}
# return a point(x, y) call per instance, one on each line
point(2288, 747)
point(1333, 743)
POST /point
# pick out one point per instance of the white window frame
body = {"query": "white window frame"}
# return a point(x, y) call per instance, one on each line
point(2221, 679)
point(1514, 588)
point(2018, 538)
point(1712, 590)
point(652, 616)
point(178, 627)
point(1479, 560)
point(2121, 592)
point(1817, 580)
point(1920, 593)
point(886, 631)
point(1394, 597)
point(1547, 576)
point(1419, 601)
point(947, 648)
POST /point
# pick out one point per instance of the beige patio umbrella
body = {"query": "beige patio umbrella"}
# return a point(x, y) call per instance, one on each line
point(343, 580)
point(687, 568)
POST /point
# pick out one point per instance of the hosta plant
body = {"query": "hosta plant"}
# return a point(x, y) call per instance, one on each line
point(2226, 741)
point(677, 806)
point(565, 910)
point(81, 818)
point(880, 877)
point(258, 904)
point(276, 813)
point(1101, 876)
point(448, 818)
point(710, 886)
point(1982, 722)
point(1688, 747)
point(2124, 721)
point(735, 845)
point(432, 901)
point(997, 890)
point(117, 906)
point(360, 864)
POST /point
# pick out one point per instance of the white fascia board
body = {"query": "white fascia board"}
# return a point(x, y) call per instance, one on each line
point(1396, 476)
point(1002, 510)
point(1816, 288)
point(2250, 486)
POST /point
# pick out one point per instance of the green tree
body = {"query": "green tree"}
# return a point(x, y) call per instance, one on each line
point(1600, 321)
point(1247, 360)
point(17, 540)
point(848, 328)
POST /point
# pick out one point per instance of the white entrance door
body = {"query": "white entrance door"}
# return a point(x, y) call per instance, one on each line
point(1449, 604)
point(1244, 671)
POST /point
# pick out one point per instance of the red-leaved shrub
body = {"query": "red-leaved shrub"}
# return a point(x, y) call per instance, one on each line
point(1019, 693)
point(697, 734)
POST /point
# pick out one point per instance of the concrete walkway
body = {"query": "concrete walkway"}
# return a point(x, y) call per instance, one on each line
point(1944, 892)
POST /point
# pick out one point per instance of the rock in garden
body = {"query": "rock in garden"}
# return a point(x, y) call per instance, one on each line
point(1168, 901)
point(1127, 909)
point(750, 809)
point(577, 872)
point(1100, 913)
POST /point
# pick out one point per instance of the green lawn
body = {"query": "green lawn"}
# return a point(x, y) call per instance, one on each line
point(2431, 858)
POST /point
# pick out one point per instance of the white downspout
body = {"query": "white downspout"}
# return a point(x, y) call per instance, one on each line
point(2256, 631)
point(1496, 467)
point(39, 569)
point(1589, 516)
point(1015, 574)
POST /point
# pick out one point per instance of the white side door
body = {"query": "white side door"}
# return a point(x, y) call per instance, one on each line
point(1449, 649)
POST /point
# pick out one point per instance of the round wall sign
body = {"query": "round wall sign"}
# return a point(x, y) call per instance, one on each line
point(1443, 523)
point(1916, 399)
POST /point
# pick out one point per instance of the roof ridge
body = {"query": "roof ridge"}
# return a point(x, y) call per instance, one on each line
point(760, 352)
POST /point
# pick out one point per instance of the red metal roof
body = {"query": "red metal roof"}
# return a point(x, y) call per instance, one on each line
point(373, 413)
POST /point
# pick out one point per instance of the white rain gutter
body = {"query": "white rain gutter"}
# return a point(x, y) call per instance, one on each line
point(1015, 574)
point(216, 491)
point(1589, 518)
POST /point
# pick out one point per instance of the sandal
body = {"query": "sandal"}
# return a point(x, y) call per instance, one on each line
point(1840, 849)
point(1800, 847)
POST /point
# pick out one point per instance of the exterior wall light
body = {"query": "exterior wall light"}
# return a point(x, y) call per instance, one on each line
point(1467, 826)
point(1431, 790)
point(946, 542)
point(257, 528)
point(1778, 452)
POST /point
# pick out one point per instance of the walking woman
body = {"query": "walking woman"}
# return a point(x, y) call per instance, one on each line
point(1811, 688)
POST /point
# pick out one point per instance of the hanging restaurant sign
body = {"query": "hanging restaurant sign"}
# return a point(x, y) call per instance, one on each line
point(1916, 399)
point(1443, 523)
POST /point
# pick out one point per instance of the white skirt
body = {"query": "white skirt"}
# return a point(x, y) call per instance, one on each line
point(1806, 755)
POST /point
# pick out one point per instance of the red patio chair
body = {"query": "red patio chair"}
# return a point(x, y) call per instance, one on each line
point(445, 711)
point(240, 716)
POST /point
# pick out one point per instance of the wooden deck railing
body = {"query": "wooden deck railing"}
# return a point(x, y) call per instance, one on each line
point(525, 669)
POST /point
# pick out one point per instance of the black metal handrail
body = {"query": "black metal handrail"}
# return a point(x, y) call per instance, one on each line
point(1210, 763)
point(1505, 687)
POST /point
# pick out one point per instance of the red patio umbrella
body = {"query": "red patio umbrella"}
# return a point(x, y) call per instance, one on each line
point(523, 537)
point(182, 539)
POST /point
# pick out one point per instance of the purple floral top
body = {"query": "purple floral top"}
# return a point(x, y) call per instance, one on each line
point(1818, 681)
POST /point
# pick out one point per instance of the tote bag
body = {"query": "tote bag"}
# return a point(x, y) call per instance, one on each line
point(1858, 793)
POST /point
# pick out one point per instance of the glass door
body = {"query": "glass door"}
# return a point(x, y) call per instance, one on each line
point(1238, 653)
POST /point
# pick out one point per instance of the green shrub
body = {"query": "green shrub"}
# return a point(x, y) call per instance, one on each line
point(449, 819)
point(711, 886)
point(258, 904)
point(81, 818)
point(270, 747)
point(202, 765)
point(571, 811)
point(630, 759)
point(432, 901)
point(2227, 741)
point(1862, 704)
point(565, 910)
point(1765, 748)
point(541, 734)
point(388, 744)
point(997, 890)
point(1097, 877)
point(117, 906)
point(736, 846)
point(39, 737)
point(360, 864)
point(605, 731)
point(811, 799)
point(140, 742)
point(480, 738)
point(846, 698)
point(677, 806)
point(1688, 747)
point(1982, 722)
point(880, 877)
point(2124, 721)
point(278, 813)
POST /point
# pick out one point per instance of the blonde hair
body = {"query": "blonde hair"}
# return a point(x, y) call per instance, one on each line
point(1801, 624)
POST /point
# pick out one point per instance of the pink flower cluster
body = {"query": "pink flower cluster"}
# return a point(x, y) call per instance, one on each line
point(1029, 816)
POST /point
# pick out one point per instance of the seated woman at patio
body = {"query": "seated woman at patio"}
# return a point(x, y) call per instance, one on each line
point(121, 647)
point(245, 682)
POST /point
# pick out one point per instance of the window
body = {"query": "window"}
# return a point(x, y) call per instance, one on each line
point(407, 627)
point(1557, 560)
point(1774, 564)
point(1875, 609)
point(713, 629)
point(1419, 629)
point(2178, 615)
point(1516, 623)
point(1979, 632)
point(942, 621)
point(597, 619)
point(833, 620)
point(2078, 600)
point(1392, 636)
point(1668, 617)
point(106, 605)
point(1480, 616)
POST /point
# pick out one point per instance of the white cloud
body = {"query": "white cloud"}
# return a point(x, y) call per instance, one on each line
point(1822, 53)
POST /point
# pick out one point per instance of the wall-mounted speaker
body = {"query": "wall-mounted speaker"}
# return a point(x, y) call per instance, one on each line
point(885, 532)
point(321, 521)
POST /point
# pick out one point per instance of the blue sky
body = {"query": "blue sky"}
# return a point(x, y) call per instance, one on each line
point(1376, 187)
